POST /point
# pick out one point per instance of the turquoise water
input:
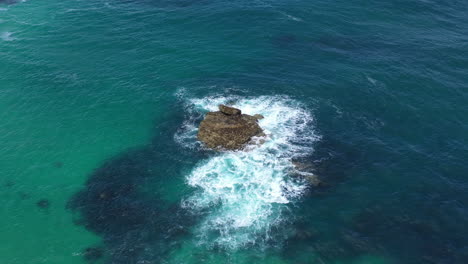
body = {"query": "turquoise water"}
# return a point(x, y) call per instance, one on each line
point(100, 100)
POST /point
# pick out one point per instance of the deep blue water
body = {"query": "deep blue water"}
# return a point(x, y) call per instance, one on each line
point(100, 101)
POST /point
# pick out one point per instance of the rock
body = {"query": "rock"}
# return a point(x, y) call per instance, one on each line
point(304, 234)
point(228, 128)
point(229, 110)
point(43, 204)
point(258, 116)
point(304, 170)
point(313, 179)
point(303, 166)
point(259, 139)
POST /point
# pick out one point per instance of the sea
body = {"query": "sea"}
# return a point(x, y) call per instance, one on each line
point(100, 103)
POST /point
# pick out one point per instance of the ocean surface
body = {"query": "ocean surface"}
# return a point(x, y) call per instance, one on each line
point(100, 103)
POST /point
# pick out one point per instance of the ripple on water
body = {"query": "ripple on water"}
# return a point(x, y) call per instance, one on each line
point(6, 36)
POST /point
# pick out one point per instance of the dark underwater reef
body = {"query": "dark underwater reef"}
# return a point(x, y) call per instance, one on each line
point(120, 204)
point(129, 222)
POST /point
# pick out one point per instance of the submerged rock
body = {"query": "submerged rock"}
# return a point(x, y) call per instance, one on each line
point(303, 166)
point(9, 184)
point(93, 253)
point(312, 179)
point(58, 164)
point(43, 204)
point(305, 171)
point(228, 128)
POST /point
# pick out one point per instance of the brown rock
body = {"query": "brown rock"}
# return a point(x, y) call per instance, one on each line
point(228, 128)
point(258, 116)
point(229, 110)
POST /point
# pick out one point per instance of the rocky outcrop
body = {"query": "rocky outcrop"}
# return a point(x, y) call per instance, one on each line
point(228, 128)
point(229, 110)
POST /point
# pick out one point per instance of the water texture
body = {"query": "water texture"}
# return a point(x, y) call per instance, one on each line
point(100, 103)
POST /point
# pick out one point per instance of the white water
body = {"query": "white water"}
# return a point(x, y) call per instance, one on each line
point(247, 192)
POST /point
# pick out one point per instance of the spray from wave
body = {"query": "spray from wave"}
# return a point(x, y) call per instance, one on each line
point(245, 194)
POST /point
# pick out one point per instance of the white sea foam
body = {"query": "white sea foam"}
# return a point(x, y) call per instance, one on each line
point(245, 193)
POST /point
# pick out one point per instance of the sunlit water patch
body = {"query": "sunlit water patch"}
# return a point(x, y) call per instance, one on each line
point(246, 193)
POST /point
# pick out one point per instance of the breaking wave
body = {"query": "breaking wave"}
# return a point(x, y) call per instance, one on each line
point(245, 194)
